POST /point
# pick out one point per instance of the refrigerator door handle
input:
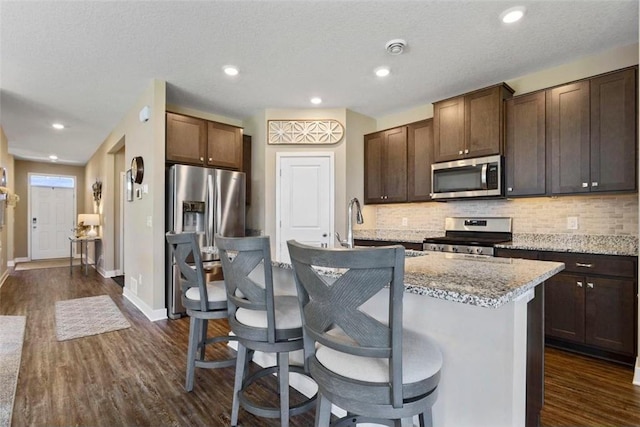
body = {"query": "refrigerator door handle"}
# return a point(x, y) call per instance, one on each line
point(209, 206)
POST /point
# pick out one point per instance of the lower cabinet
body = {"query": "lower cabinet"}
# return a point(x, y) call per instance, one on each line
point(407, 245)
point(591, 306)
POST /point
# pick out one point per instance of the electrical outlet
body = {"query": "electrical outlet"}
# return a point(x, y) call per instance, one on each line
point(133, 284)
point(140, 279)
point(149, 221)
point(572, 222)
point(405, 222)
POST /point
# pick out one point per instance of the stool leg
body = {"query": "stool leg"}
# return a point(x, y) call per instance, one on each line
point(203, 348)
point(237, 386)
point(283, 379)
point(323, 411)
point(191, 352)
point(426, 419)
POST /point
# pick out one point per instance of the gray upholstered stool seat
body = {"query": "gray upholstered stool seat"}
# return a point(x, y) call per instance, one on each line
point(366, 364)
point(202, 300)
point(262, 321)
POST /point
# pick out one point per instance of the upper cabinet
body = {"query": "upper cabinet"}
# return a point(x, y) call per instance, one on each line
point(470, 125)
point(200, 142)
point(420, 158)
point(525, 145)
point(591, 132)
point(385, 166)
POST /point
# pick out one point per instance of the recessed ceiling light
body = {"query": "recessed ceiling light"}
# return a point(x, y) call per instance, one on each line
point(316, 100)
point(58, 126)
point(53, 157)
point(513, 14)
point(382, 71)
point(230, 70)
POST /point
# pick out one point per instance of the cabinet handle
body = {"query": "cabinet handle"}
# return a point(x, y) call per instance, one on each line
point(466, 151)
point(510, 189)
point(594, 184)
point(580, 264)
point(585, 184)
point(460, 152)
point(381, 197)
point(210, 159)
point(579, 284)
point(202, 159)
point(589, 285)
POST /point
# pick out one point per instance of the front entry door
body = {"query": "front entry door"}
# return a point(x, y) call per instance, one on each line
point(305, 200)
point(51, 221)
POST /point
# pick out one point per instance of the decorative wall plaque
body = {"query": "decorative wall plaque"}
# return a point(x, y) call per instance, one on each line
point(304, 132)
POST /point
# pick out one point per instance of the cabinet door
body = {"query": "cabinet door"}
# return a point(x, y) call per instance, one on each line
point(525, 146)
point(613, 132)
point(568, 136)
point(224, 146)
point(373, 152)
point(610, 314)
point(420, 158)
point(186, 139)
point(448, 129)
point(564, 307)
point(483, 122)
point(395, 165)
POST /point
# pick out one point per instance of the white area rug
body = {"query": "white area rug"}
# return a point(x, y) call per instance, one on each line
point(11, 339)
point(82, 317)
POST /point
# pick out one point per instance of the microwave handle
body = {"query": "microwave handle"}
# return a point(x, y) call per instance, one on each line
point(483, 176)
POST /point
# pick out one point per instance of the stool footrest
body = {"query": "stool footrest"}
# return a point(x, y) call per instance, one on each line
point(270, 411)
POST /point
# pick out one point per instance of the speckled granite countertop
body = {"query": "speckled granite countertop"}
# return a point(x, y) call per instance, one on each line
point(590, 244)
point(579, 243)
point(468, 279)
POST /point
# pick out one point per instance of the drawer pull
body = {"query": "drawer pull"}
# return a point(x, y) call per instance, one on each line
point(589, 285)
point(580, 264)
point(579, 284)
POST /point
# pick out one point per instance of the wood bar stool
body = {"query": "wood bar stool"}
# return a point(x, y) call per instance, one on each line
point(371, 367)
point(203, 301)
point(262, 322)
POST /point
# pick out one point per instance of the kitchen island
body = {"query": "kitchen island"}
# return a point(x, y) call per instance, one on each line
point(486, 315)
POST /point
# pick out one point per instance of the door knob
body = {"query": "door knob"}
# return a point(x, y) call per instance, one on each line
point(324, 235)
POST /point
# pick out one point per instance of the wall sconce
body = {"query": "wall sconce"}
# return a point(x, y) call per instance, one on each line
point(97, 191)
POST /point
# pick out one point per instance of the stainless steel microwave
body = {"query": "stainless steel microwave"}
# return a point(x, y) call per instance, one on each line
point(459, 179)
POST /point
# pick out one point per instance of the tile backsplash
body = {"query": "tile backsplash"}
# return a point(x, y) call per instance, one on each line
point(604, 214)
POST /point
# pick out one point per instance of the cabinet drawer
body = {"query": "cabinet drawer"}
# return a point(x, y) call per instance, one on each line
point(516, 253)
point(609, 265)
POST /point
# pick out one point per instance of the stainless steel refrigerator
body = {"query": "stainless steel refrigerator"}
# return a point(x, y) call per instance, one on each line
point(205, 201)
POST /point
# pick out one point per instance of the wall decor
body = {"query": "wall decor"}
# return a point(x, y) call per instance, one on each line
point(137, 169)
point(305, 132)
point(97, 191)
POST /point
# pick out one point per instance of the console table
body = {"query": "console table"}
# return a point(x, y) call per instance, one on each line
point(84, 247)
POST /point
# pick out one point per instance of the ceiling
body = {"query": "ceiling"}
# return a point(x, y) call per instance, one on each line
point(84, 64)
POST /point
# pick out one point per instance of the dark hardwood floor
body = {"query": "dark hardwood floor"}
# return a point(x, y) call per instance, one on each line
point(136, 376)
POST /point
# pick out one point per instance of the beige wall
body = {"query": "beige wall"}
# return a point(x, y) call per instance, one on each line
point(143, 245)
point(7, 231)
point(22, 170)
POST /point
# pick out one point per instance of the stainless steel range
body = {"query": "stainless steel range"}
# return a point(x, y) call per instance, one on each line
point(474, 235)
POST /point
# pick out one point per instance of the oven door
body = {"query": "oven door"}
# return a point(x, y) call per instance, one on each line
point(479, 177)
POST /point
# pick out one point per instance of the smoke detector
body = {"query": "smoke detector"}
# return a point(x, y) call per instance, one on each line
point(395, 46)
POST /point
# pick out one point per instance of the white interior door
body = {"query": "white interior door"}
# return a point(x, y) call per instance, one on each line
point(305, 200)
point(51, 221)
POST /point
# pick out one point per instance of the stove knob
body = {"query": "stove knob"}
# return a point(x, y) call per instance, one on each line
point(471, 250)
point(479, 251)
point(433, 247)
point(454, 249)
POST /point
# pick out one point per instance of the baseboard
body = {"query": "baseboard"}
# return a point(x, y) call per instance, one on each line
point(4, 277)
point(108, 273)
point(21, 259)
point(636, 373)
point(151, 314)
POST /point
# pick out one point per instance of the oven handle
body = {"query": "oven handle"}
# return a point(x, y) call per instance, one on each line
point(483, 176)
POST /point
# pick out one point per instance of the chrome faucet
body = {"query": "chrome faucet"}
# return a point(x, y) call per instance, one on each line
point(359, 219)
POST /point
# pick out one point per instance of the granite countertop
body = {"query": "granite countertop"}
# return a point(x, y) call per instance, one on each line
point(590, 243)
point(468, 279)
point(578, 243)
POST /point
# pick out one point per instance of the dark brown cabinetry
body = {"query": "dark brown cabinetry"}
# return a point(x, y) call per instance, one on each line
point(190, 140)
point(470, 125)
point(591, 306)
point(416, 246)
point(591, 132)
point(385, 166)
point(525, 145)
point(420, 158)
